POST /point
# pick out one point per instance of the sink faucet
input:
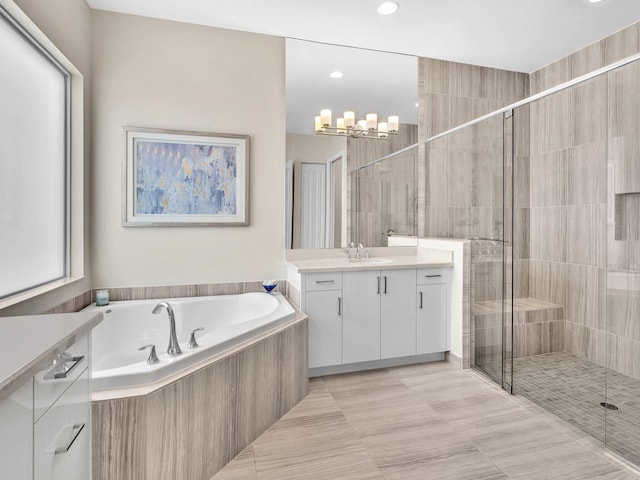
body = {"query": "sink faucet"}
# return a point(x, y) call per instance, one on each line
point(174, 346)
point(346, 249)
point(358, 249)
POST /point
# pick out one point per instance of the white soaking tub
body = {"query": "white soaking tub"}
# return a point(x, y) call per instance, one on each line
point(228, 320)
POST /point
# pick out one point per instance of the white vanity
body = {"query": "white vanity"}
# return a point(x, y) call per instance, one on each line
point(45, 407)
point(389, 309)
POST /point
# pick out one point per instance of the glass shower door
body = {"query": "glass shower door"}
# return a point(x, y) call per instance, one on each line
point(620, 341)
point(469, 195)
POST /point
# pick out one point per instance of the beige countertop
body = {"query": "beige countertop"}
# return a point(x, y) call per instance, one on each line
point(29, 343)
point(380, 259)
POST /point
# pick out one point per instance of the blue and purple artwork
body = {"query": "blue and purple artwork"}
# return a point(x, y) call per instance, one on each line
point(185, 178)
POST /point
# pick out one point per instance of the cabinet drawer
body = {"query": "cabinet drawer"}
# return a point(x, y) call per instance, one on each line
point(52, 382)
point(429, 276)
point(61, 437)
point(315, 282)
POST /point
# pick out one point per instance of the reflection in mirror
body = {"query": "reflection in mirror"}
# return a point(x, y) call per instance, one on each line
point(342, 189)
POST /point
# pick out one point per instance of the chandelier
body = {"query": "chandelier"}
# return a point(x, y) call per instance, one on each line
point(347, 125)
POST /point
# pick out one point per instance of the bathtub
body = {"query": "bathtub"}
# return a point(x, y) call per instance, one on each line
point(228, 320)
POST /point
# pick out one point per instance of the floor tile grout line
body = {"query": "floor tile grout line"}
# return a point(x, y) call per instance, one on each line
point(548, 417)
point(484, 454)
point(558, 423)
point(354, 433)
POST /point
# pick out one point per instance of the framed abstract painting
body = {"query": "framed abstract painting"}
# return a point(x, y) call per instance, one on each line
point(175, 178)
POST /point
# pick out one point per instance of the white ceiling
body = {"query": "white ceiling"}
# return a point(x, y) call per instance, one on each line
point(520, 35)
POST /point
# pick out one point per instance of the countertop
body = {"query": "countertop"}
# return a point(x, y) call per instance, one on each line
point(383, 258)
point(30, 343)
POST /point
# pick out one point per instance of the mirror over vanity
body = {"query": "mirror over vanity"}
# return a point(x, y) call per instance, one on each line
point(344, 188)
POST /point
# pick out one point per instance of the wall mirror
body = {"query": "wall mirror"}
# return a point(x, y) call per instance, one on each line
point(342, 189)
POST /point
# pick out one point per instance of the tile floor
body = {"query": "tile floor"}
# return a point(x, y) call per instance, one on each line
point(573, 388)
point(427, 421)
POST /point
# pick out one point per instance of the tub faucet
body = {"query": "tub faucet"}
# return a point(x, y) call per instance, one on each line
point(174, 346)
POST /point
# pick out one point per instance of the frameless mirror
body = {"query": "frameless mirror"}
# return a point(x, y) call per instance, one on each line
point(341, 188)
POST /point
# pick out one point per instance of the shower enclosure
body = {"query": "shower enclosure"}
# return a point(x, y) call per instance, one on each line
point(383, 198)
point(548, 193)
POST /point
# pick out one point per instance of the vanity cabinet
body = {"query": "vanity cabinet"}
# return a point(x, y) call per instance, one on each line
point(379, 315)
point(61, 432)
point(431, 332)
point(323, 305)
point(361, 320)
point(369, 318)
point(45, 433)
point(16, 434)
point(398, 313)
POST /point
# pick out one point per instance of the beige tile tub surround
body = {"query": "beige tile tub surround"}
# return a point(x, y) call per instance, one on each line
point(192, 427)
point(193, 290)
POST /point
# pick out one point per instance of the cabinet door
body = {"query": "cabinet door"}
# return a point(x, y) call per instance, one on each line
point(431, 326)
point(16, 434)
point(324, 310)
point(361, 320)
point(62, 438)
point(398, 313)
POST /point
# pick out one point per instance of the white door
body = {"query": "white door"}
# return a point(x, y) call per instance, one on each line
point(312, 205)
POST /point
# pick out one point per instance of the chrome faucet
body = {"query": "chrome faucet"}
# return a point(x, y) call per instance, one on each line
point(174, 346)
point(346, 249)
point(358, 248)
point(153, 358)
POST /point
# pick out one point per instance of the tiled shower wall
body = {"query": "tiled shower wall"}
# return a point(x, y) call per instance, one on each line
point(450, 94)
point(383, 192)
point(585, 151)
point(461, 178)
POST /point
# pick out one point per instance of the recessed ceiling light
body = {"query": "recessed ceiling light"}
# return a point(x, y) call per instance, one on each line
point(594, 1)
point(387, 8)
point(336, 74)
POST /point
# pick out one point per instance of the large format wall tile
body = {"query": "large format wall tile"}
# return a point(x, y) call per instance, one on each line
point(588, 111)
point(548, 179)
point(587, 174)
point(548, 281)
point(548, 233)
point(586, 234)
point(585, 304)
